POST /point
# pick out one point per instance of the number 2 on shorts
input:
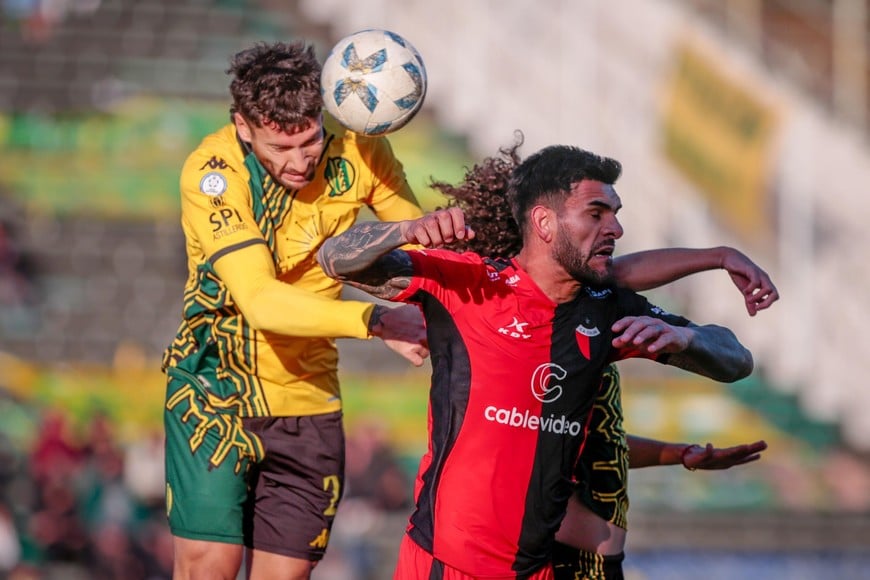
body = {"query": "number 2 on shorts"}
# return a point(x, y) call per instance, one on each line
point(331, 482)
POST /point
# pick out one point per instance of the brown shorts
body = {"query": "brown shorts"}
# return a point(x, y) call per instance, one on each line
point(296, 488)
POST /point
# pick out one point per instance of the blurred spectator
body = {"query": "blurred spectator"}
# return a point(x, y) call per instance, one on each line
point(17, 288)
point(373, 473)
point(143, 470)
point(10, 544)
point(37, 19)
point(55, 454)
point(377, 490)
point(83, 520)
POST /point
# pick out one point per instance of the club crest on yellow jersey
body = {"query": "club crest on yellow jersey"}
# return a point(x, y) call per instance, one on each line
point(340, 175)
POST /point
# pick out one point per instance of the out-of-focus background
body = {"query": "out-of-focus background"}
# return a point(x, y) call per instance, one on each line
point(739, 122)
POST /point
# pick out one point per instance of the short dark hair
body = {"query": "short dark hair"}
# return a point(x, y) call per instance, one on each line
point(276, 83)
point(550, 173)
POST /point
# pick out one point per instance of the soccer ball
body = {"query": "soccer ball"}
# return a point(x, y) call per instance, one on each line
point(373, 82)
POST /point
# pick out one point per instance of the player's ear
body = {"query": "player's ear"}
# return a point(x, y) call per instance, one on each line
point(242, 127)
point(543, 223)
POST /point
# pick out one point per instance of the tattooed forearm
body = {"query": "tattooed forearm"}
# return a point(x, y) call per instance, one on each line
point(364, 257)
point(715, 353)
point(375, 319)
point(345, 256)
point(387, 277)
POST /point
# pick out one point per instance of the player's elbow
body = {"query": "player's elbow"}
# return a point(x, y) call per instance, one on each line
point(258, 304)
point(741, 366)
point(256, 320)
point(326, 260)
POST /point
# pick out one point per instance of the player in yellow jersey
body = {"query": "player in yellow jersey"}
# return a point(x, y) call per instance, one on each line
point(254, 437)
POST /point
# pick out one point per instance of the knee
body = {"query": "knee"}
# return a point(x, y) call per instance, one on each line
point(197, 560)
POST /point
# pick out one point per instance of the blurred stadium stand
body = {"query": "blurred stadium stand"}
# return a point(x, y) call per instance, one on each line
point(581, 72)
point(791, 108)
point(85, 56)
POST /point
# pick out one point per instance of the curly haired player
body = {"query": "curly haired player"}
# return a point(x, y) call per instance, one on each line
point(591, 540)
point(518, 347)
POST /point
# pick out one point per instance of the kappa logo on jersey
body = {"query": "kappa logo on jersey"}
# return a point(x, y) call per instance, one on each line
point(213, 183)
point(583, 334)
point(340, 175)
point(217, 163)
point(515, 329)
point(513, 280)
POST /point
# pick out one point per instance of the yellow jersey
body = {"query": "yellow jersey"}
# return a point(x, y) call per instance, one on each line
point(229, 204)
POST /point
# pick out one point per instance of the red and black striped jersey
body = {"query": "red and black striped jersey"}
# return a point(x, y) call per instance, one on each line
point(514, 375)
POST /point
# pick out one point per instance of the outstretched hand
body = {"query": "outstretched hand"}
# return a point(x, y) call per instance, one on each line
point(403, 330)
point(710, 457)
point(437, 229)
point(753, 282)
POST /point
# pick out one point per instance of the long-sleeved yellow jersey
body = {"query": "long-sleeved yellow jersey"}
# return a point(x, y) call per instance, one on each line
point(268, 348)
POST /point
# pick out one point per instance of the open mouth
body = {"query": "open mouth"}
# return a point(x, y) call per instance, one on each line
point(604, 251)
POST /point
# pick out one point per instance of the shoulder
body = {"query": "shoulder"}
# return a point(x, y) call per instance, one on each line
point(217, 164)
point(448, 256)
point(448, 264)
point(219, 151)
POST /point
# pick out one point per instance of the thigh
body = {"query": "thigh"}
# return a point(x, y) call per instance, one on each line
point(202, 559)
point(268, 566)
point(297, 486)
point(208, 458)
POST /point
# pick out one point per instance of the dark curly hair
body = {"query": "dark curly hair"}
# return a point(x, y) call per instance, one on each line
point(276, 83)
point(482, 197)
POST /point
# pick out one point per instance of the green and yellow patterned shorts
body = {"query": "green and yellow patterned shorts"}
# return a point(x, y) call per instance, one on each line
point(209, 455)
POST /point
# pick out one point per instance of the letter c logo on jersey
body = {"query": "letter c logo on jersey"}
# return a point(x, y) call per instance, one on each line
point(543, 378)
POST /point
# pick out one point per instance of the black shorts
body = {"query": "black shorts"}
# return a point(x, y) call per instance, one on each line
point(296, 487)
point(572, 564)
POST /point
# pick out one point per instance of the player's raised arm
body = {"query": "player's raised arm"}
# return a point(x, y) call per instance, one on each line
point(653, 268)
point(367, 256)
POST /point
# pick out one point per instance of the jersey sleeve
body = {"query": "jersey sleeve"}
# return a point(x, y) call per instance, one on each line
point(443, 274)
point(216, 206)
point(219, 223)
point(391, 197)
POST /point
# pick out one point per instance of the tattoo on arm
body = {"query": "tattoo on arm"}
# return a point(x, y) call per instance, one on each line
point(715, 353)
point(687, 363)
point(366, 257)
point(387, 277)
point(375, 319)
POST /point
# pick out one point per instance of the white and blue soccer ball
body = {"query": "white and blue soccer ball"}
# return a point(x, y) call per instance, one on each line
point(373, 82)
